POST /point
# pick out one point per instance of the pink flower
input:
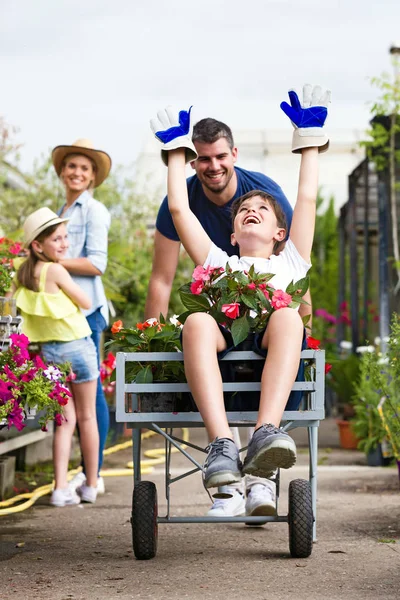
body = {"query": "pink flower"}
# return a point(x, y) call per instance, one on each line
point(231, 310)
point(19, 340)
point(251, 286)
point(15, 248)
point(58, 419)
point(202, 274)
point(39, 364)
point(72, 376)
point(5, 391)
point(280, 299)
point(196, 287)
point(19, 355)
point(29, 375)
point(11, 376)
point(16, 417)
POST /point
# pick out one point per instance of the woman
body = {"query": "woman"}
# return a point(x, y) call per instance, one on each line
point(81, 169)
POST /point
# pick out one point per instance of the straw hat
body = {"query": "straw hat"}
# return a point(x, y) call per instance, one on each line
point(85, 147)
point(38, 221)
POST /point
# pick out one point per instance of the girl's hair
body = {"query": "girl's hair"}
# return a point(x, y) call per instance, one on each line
point(274, 204)
point(94, 166)
point(26, 272)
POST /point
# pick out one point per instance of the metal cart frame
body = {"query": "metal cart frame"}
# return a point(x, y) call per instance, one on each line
point(302, 493)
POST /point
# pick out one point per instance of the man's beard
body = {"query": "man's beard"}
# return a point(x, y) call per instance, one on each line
point(222, 186)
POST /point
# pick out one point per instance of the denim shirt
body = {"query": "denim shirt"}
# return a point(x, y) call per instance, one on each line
point(88, 225)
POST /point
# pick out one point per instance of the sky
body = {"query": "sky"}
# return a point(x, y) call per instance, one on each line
point(101, 69)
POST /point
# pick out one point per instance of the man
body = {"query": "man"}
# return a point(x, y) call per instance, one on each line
point(212, 190)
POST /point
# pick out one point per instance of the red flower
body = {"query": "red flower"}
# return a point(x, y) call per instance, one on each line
point(117, 326)
point(196, 287)
point(231, 310)
point(313, 343)
point(145, 325)
point(328, 367)
point(251, 286)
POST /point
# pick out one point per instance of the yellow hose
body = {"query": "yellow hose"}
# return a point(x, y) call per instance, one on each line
point(155, 456)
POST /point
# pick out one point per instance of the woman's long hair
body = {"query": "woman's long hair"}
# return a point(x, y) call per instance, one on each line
point(26, 272)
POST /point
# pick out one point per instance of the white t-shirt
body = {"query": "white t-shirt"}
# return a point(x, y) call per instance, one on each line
point(287, 266)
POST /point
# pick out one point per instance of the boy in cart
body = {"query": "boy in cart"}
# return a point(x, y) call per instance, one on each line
point(260, 231)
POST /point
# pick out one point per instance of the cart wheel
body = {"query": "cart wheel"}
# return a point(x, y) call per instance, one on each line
point(300, 519)
point(144, 520)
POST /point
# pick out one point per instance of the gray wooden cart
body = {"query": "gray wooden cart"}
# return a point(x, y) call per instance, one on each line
point(132, 398)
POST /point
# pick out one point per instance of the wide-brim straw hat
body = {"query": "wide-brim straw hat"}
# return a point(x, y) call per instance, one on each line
point(38, 221)
point(82, 146)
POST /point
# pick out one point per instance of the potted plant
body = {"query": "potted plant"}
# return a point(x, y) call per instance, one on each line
point(342, 380)
point(367, 423)
point(384, 377)
point(27, 384)
point(151, 336)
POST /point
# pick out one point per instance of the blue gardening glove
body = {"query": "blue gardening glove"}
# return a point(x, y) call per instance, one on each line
point(308, 118)
point(174, 131)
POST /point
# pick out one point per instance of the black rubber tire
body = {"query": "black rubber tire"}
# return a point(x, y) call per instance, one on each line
point(301, 518)
point(144, 520)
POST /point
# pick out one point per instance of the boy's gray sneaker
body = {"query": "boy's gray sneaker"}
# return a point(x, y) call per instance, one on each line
point(222, 465)
point(270, 448)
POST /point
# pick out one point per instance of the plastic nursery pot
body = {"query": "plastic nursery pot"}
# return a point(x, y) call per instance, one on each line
point(348, 440)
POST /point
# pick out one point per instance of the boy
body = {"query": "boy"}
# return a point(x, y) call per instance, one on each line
point(259, 230)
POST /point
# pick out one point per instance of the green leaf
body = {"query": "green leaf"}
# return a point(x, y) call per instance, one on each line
point(182, 318)
point(240, 329)
point(248, 300)
point(145, 375)
point(300, 286)
point(195, 303)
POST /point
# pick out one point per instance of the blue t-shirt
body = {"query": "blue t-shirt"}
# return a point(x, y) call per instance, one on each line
point(217, 220)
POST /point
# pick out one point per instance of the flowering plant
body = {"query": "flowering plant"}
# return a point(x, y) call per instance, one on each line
point(107, 368)
point(241, 301)
point(8, 251)
point(26, 382)
point(151, 336)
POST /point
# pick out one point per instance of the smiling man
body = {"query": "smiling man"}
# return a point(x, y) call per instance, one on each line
point(212, 190)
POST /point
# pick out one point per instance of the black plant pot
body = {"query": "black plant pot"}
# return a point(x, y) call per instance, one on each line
point(375, 458)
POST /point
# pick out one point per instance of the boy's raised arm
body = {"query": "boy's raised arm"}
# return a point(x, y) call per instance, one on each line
point(309, 138)
point(173, 129)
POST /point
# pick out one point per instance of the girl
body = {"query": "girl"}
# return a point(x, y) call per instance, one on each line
point(49, 302)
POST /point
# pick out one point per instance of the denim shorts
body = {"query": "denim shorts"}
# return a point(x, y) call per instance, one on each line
point(80, 353)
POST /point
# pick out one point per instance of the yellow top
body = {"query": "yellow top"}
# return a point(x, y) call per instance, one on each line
point(50, 317)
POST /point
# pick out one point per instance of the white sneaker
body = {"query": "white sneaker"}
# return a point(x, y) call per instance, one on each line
point(228, 507)
point(87, 493)
point(77, 481)
point(80, 478)
point(261, 500)
point(64, 497)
